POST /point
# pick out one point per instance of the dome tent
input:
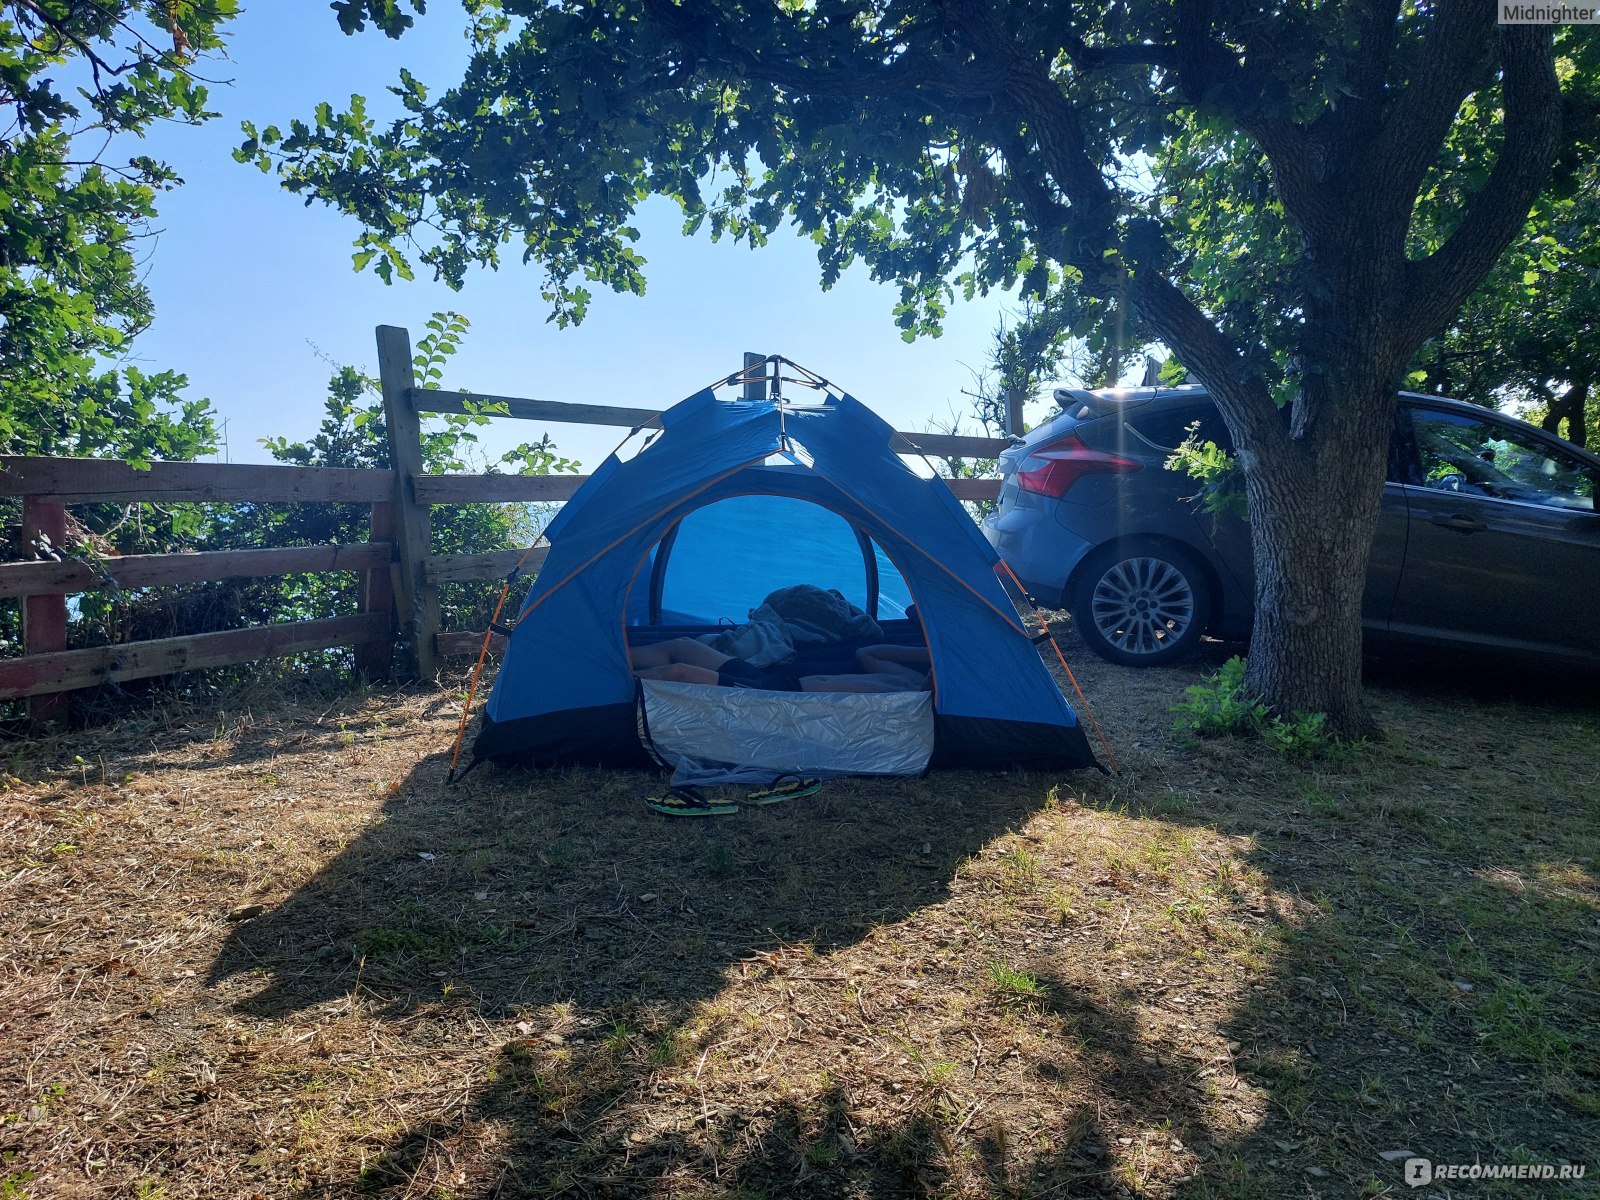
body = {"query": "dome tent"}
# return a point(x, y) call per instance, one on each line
point(815, 488)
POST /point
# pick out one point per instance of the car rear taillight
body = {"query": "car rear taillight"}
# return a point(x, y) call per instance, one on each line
point(1055, 467)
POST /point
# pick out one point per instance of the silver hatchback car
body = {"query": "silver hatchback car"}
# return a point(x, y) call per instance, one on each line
point(1489, 535)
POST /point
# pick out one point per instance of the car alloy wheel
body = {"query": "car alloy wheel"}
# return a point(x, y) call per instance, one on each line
point(1141, 606)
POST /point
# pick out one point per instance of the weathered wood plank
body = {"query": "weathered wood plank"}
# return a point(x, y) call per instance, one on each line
point(496, 489)
point(907, 442)
point(62, 672)
point(462, 568)
point(158, 570)
point(375, 660)
point(755, 381)
point(429, 400)
point(417, 595)
point(457, 645)
point(110, 481)
point(949, 445)
point(44, 617)
point(975, 489)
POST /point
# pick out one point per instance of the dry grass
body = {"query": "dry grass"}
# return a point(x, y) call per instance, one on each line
point(266, 952)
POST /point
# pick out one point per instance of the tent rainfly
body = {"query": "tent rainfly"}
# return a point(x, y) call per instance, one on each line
point(731, 500)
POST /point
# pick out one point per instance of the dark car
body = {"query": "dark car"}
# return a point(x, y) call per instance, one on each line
point(1488, 536)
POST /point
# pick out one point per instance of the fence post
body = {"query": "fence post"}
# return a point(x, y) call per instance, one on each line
point(375, 660)
point(44, 618)
point(418, 596)
point(755, 386)
point(1015, 397)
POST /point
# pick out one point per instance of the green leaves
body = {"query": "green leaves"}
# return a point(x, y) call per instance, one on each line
point(354, 433)
point(1528, 334)
point(71, 290)
point(385, 14)
point(899, 138)
point(1221, 478)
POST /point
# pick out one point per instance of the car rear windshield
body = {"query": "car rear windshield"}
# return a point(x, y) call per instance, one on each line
point(1168, 427)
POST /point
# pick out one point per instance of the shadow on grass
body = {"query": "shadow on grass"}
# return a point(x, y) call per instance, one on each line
point(622, 957)
point(1432, 991)
point(1398, 955)
point(523, 889)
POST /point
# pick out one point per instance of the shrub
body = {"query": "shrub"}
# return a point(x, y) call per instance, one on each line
point(1221, 707)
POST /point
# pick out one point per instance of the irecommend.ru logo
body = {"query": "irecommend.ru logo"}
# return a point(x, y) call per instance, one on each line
point(1422, 1171)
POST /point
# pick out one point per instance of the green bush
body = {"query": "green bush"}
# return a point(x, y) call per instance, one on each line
point(1221, 707)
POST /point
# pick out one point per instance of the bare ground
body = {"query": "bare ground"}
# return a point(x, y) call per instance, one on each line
point(263, 950)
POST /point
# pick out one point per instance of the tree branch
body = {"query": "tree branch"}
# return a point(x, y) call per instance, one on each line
point(1210, 76)
point(1134, 54)
point(1209, 354)
point(1438, 285)
point(1376, 25)
point(64, 34)
point(1028, 91)
point(1457, 58)
point(708, 37)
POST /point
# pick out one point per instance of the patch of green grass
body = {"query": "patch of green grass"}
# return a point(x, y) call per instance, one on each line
point(1061, 906)
point(1019, 870)
point(1011, 982)
point(1233, 1177)
point(1221, 707)
point(14, 1184)
point(667, 1050)
point(823, 1153)
point(1324, 805)
point(619, 1038)
point(1511, 1020)
point(1189, 914)
point(377, 942)
point(558, 853)
point(1580, 1098)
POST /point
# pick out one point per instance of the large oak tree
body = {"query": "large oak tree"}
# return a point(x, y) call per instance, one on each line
point(1247, 179)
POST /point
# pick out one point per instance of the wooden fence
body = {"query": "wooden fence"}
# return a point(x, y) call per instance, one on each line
point(401, 578)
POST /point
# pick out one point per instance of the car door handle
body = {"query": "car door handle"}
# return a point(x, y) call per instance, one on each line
point(1458, 522)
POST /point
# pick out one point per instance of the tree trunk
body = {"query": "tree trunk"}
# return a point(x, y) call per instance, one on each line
point(1314, 511)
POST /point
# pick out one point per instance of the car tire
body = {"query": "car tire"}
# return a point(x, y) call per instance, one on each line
point(1140, 604)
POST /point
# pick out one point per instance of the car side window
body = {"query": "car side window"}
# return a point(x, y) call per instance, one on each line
point(1457, 452)
point(1168, 428)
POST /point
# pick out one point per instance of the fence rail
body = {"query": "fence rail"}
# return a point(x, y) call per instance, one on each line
point(66, 670)
point(50, 578)
point(400, 576)
point(110, 481)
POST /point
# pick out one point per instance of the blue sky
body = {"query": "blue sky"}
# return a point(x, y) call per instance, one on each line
point(254, 291)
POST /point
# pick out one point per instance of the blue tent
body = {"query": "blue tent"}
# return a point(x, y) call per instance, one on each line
point(731, 500)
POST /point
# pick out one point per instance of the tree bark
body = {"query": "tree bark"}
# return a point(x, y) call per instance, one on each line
point(1570, 407)
point(1315, 507)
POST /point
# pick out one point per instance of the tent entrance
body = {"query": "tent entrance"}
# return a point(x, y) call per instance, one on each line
point(718, 561)
point(711, 735)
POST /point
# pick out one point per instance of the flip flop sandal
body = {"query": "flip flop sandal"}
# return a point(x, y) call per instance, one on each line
point(688, 802)
point(785, 787)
